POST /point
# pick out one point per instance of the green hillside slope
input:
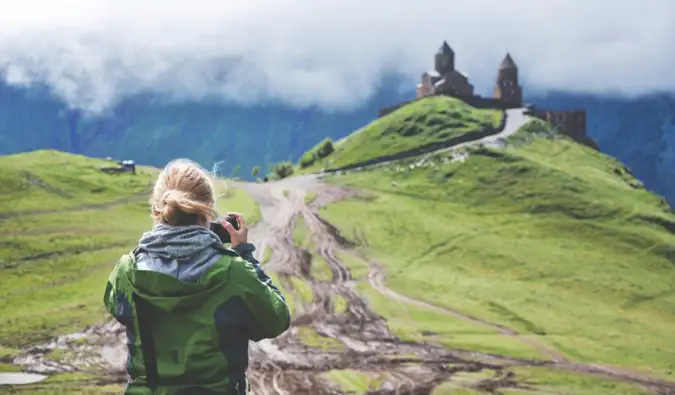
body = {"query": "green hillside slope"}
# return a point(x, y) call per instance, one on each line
point(429, 120)
point(63, 225)
point(545, 236)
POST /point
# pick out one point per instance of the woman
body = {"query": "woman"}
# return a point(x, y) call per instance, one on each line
point(189, 304)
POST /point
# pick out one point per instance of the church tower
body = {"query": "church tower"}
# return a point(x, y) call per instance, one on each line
point(445, 59)
point(507, 89)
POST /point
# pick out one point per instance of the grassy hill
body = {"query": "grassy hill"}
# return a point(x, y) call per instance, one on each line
point(545, 236)
point(429, 120)
point(63, 225)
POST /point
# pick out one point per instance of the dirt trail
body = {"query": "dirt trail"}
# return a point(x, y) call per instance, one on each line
point(286, 365)
point(376, 278)
point(365, 334)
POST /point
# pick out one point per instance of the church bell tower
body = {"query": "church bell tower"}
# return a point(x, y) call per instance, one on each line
point(445, 59)
point(507, 90)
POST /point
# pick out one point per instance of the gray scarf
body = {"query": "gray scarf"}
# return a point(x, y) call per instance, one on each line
point(179, 242)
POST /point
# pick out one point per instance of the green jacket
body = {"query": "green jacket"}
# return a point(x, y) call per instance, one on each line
point(189, 321)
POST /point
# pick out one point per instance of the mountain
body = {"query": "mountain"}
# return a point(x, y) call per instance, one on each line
point(638, 132)
point(153, 132)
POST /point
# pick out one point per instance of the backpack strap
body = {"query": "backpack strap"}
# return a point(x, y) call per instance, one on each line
point(144, 311)
point(144, 317)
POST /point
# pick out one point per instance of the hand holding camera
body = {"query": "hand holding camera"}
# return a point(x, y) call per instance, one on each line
point(231, 229)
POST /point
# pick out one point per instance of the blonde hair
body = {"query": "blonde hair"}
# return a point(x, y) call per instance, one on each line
point(183, 195)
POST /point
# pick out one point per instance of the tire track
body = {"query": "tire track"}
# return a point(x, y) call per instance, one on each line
point(363, 333)
point(376, 279)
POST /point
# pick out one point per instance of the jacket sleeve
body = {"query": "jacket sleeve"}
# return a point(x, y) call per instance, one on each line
point(271, 316)
point(116, 298)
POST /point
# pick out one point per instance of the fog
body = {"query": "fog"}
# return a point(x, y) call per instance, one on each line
point(330, 53)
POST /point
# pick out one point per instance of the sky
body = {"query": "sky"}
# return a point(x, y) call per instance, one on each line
point(330, 53)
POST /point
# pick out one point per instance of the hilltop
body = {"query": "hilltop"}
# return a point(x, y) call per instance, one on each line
point(428, 121)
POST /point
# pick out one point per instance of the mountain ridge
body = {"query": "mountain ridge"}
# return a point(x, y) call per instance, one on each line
point(637, 131)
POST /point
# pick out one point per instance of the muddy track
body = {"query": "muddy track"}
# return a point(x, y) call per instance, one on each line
point(358, 328)
point(364, 333)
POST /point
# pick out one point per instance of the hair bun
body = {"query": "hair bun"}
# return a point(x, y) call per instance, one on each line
point(179, 206)
point(173, 201)
point(183, 195)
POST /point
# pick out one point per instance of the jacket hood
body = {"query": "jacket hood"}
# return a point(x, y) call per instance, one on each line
point(175, 267)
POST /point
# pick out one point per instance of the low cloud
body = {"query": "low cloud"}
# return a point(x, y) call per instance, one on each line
point(330, 53)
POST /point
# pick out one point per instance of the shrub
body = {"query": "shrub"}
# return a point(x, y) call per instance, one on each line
point(319, 151)
point(283, 170)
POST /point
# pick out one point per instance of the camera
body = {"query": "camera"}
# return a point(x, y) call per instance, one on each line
point(218, 228)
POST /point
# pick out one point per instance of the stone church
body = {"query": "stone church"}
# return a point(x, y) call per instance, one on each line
point(445, 79)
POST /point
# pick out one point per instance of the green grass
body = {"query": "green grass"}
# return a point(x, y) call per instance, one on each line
point(414, 323)
point(541, 381)
point(358, 269)
point(309, 197)
point(299, 291)
point(55, 258)
point(302, 237)
point(50, 180)
point(310, 338)
point(237, 200)
point(288, 296)
point(429, 120)
point(546, 236)
point(340, 304)
point(354, 382)
point(266, 255)
point(320, 269)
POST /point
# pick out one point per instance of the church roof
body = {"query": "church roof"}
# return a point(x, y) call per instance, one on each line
point(445, 48)
point(508, 63)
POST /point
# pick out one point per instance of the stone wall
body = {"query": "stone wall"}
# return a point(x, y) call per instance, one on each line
point(570, 122)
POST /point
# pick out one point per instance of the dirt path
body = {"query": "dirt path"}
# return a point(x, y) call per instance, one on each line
point(376, 278)
point(286, 365)
point(365, 334)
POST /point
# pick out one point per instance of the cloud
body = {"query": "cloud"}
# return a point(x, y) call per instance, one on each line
point(328, 52)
